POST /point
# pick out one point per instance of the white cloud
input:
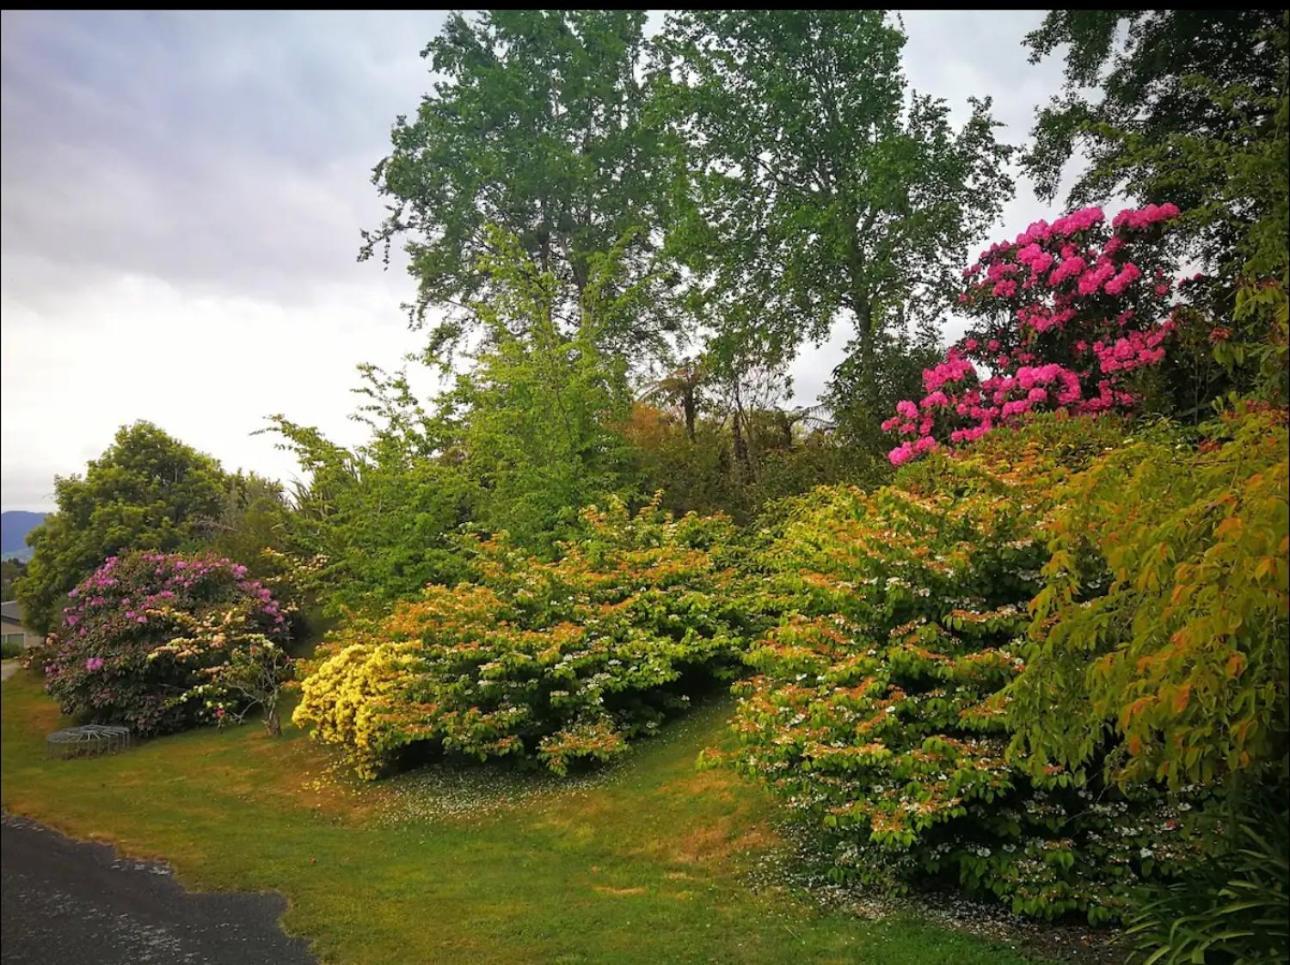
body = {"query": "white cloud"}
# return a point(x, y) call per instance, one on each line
point(206, 368)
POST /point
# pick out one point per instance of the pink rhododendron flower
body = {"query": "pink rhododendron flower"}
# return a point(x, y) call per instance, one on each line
point(1083, 325)
point(1145, 217)
point(1128, 274)
point(937, 398)
point(1078, 221)
point(1069, 268)
point(901, 454)
point(1092, 281)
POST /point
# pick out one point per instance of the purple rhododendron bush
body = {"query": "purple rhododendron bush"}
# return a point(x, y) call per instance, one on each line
point(163, 641)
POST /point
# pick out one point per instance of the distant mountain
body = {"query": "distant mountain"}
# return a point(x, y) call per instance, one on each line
point(14, 527)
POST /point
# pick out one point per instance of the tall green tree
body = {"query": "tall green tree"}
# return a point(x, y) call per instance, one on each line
point(521, 440)
point(252, 518)
point(901, 358)
point(539, 127)
point(1157, 101)
point(818, 185)
point(538, 416)
point(147, 491)
point(10, 571)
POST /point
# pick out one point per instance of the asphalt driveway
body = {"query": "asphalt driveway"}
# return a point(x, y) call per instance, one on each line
point(65, 901)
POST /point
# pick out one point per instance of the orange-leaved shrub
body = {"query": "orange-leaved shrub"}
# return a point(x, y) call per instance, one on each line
point(553, 660)
point(878, 709)
point(1162, 620)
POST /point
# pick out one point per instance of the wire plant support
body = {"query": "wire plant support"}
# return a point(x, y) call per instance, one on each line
point(88, 740)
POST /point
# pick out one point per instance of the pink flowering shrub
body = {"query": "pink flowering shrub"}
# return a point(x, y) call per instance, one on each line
point(147, 633)
point(1068, 314)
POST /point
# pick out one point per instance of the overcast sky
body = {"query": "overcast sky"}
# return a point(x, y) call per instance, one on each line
point(182, 200)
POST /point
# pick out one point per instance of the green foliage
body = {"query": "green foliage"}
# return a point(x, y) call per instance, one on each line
point(251, 678)
point(1235, 909)
point(815, 184)
point(10, 571)
point(703, 474)
point(1157, 114)
point(538, 126)
point(694, 473)
point(1206, 126)
point(522, 439)
point(147, 491)
point(535, 419)
point(8, 649)
point(1163, 616)
point(560, 661)
point(249, 525)
point(878, 710)
point(899, 363)
point(374, 524)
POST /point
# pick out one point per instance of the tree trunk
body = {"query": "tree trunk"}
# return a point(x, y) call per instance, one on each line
point(741, 447)
point(272, 722)
point(868, 378)
point(742, 455)
point(688, 405)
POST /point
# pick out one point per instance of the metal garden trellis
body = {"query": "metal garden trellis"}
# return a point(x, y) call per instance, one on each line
point(87, 740)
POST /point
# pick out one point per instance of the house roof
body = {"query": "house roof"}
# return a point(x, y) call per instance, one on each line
point(11, 612)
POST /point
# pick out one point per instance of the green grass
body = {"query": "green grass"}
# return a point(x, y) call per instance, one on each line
point(646, 865)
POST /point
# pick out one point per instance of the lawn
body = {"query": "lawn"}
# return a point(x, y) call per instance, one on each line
point(647, 864)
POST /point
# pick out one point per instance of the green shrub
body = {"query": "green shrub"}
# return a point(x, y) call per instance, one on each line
point(552, 661)
point(1158, 656)
point(1235, 909)
point(1163, 615)
point(878, 709)
point(146, 491)
point(10, 649)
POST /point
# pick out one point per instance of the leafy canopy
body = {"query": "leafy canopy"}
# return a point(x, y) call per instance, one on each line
point(815, 183)
point(522, 439)
point(372, 524)
point(539, 127)
point(1186, 99)
point(536, 419)
point(147, 491)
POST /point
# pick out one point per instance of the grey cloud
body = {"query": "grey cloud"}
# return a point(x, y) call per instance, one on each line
point(231, 150)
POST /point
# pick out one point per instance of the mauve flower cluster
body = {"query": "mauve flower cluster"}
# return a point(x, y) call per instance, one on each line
point(174, 577)
point(1067, 310)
